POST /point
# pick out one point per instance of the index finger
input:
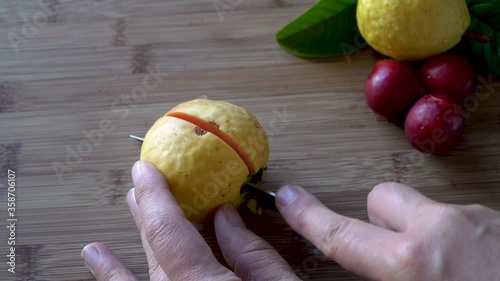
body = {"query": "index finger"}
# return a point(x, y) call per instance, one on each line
point(177, 246)
point(358, 246)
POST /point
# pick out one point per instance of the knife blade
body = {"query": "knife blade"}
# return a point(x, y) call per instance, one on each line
point(265, 199)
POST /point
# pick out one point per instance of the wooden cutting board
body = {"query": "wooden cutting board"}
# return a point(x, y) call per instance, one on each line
point(74, 74)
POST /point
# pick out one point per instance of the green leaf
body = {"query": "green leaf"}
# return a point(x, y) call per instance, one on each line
point(327, 29)
point(487, 10)
point(481, 42)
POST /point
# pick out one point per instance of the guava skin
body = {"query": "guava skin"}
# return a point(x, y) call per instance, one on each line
point(206, 149)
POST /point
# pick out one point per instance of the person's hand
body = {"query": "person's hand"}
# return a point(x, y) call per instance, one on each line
point(174, 248)
point(411, 238)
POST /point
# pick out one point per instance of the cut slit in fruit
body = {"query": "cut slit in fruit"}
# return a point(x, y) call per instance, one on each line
point(214, 129)
point(257, 178)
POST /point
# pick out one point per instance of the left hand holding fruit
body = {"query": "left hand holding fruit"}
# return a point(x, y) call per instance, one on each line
point(175, 249)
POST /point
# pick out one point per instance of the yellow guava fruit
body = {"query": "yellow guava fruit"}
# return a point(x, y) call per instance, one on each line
point(412, 29)
point(206, 150)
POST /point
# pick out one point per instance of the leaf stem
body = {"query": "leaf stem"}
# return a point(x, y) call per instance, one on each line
point(483, 38)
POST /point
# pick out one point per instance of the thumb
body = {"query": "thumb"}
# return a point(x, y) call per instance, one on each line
point(356, 245)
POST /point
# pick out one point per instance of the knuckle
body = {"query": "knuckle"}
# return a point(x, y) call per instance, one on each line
point(409, 255)
point(382, 190)
point(251, 249)
point(334, 239)
point(158, 229)
point(254, 247)
point(478, 208)
point(111, 275)
point(481, 212)
point(443, 219)
point(258, 258)
point(303, 216)
point(141, 189)
point(450, 213)
point(155, 270)
point(114, 274)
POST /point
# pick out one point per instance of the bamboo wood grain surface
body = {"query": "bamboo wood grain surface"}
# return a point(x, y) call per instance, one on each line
point(67, 86)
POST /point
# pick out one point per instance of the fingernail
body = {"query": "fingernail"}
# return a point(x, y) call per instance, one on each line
point(233, 216)
point(91, 256)
point(287, 195)
point(132, 204)
point(136, 171)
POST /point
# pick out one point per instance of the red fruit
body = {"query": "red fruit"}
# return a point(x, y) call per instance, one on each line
point(450, 75)
point(391, 87)
point(434, 124)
